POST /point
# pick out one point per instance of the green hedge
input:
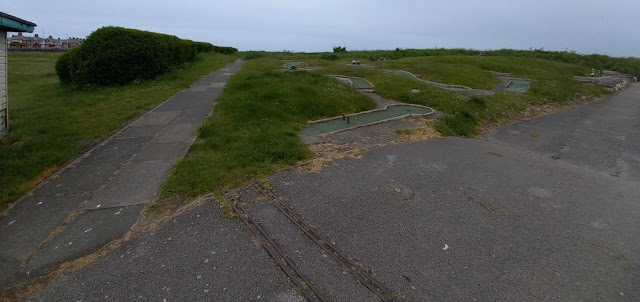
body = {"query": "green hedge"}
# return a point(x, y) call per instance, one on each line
point(116, 55)
point(225, 50)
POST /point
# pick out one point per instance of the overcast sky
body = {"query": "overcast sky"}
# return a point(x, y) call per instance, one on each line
point(586, 26)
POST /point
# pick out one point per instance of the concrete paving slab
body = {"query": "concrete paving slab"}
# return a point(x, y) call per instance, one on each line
point(81, 179)
point(162, 152)
point(157, 117)
point(30, 221)
point(171, 105)
point(141, 131)
point(185, 100)
point(27, 225)
point(136, 183)
point(85, 234)
point(177, 133)
point(116, 151)
point(198, 256)
point(197, 115)
point(198, 88)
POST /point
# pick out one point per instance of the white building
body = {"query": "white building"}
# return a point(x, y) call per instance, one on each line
point(8, 23)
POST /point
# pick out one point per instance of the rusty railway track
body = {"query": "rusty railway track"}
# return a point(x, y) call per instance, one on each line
point(356, 270)
point(273, 249)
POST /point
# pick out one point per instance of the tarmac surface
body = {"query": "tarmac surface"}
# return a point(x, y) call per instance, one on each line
point(97, 197)
point(541, 210)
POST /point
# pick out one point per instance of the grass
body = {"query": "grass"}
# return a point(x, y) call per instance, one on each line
point(447, 70)
point(461, 123)
point(51, 123)
point(625, 65)
point(253, 130)
point(553, 83)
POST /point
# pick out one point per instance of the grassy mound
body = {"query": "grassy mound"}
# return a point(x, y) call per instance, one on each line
point(254, 126)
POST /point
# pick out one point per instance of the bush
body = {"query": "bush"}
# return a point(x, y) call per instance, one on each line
point(225, 50)
point(331, 57)
point(461, 123)
point(253, 55)
point(63, 66)
point(339, 49)
point(116, 55)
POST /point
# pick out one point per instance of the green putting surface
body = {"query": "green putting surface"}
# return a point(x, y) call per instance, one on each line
point(359, 83)
point(364, 119)
point(519, 86)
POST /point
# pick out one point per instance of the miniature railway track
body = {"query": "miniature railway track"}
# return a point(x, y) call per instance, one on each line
point(356, 270)
point(274, 250)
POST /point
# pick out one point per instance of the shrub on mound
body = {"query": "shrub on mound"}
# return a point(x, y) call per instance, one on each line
point(116, 55)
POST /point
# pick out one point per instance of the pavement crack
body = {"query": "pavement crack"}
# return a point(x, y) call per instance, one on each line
point(53, 234)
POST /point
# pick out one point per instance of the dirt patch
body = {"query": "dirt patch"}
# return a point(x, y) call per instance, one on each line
point(331, 150)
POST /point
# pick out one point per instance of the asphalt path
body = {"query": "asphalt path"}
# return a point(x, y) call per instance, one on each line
point(541, 210)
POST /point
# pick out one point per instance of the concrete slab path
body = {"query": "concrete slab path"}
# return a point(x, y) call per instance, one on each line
point(97, 198)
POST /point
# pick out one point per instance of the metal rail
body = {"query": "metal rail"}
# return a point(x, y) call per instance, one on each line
point(274, 250)
point(356, 270)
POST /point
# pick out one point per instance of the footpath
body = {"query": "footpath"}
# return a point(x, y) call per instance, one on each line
point(99, 196)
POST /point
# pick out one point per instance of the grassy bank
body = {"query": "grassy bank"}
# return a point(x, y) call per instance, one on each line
point(253, 129)
point(553, 83)
point(623, 65)
point(51, 123)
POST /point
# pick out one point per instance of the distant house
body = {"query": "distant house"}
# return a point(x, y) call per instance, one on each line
point(14, 24)
point(22, 42)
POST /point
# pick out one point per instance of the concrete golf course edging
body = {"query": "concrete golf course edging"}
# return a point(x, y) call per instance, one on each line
point(441, 85)
point(352, 84)
point(432, 111)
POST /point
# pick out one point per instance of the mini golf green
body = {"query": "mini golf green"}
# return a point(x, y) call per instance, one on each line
point(519, 86)
point(364, 118)
point(359, 83)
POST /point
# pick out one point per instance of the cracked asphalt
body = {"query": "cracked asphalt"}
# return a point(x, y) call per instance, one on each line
point(541, 210)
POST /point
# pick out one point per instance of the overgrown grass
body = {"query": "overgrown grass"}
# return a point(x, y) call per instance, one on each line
point(449, 70)
point(253, 129)
point(553, 83)
point(624, 65)
point(461, 123)
point(50, 123)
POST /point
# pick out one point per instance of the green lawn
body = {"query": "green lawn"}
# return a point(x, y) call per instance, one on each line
point(50, 124)
point(253, 129)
